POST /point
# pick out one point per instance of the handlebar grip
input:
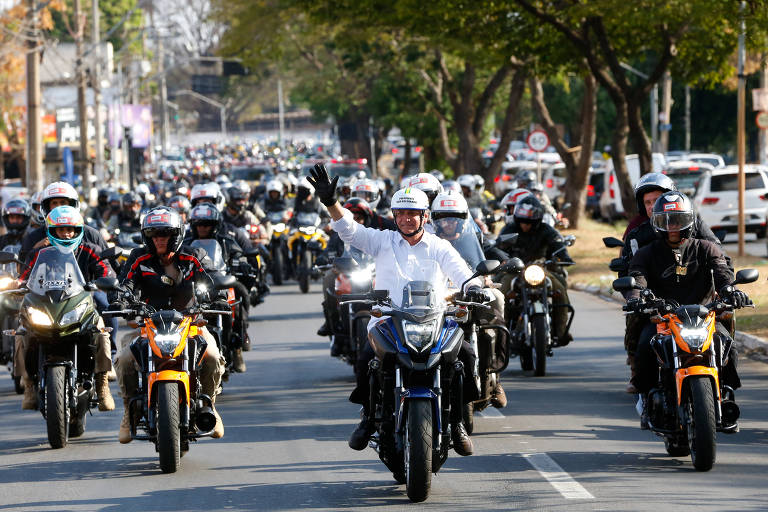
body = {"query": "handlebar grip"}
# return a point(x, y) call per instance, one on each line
point(215, 312)
point(356, 296)
point(120, 312)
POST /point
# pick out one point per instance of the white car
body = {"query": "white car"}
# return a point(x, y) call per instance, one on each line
point(12, 189)
point(717, 199)
point(505, 181)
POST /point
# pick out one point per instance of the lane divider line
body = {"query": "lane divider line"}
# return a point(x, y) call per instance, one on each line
point(557, 477)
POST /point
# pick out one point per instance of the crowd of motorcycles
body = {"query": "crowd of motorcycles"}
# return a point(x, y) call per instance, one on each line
point(417, 387)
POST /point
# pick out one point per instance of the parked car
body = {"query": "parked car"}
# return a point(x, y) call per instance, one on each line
point(712, 159)
point(686, 174)
point(595, 187)
point(610, 201)
point(505, 181)
point(12, 188)
point(553, 178)
point(717, 199)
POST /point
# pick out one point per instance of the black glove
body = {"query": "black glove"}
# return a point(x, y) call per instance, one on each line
point(633, 304)
point(477, 294)
point(739, 299)
point(117, 306)
point(325, 187)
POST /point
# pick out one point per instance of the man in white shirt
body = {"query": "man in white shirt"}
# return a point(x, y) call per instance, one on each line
point(398, 255)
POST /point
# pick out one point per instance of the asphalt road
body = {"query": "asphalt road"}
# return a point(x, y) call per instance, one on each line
point(567, 441)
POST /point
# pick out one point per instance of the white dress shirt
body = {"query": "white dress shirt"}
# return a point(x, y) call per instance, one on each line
point(398, 262)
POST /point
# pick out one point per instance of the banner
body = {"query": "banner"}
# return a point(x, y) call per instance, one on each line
point(136, 117)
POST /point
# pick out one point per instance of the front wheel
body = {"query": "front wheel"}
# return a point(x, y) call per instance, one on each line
point(277, 266)
point(56, 410)
point(540, 335)
point(418, 449)
point(701, 425)
point(305, 270)
point(168, 431)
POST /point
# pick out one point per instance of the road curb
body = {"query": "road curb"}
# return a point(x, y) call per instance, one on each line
point(749, 344)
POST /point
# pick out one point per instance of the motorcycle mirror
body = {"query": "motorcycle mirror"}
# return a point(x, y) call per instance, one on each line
point(508, 238)
point(107, 284)
point(223, 282)
point(7, 257)
point(514, 264)
point(624, 284)
point(618, 265)
point(487, 267)
point(111, 253)
point(569, 240)
point(747, 275)
point(611, 242)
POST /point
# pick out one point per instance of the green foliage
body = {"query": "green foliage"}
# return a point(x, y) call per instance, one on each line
point(111, 13)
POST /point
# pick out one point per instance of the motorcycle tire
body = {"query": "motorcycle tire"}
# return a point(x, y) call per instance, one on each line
point(702, 427)
point(168, 431)
point(468, 416)
point(526, 358)
point(305, 271)
point(77, 423)
point(361, 336)
point(277, 266)
point(17, 385)
point(540, 335)
point(677, 448)
point(418, 450)
point(56, 410)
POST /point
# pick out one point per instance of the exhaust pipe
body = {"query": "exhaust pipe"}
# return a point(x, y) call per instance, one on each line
point(205, 419)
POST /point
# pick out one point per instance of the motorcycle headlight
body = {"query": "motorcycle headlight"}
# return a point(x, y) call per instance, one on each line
point(695, 338)
point(534, 275)
point(419, 336)
point(167, 343)
point(38, 317)
point(307, 230)
point(279, 227)
point(74, 315)
point(6, 282)
point(360, 276)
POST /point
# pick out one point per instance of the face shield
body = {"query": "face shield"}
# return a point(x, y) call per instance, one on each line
point(672, 221)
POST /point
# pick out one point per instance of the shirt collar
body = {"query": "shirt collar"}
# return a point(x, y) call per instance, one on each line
point(427, 239)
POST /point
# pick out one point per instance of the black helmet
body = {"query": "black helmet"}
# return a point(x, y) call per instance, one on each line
point(204, 214)
point(16, 207)
point(238, 195)
point(528, 209)
point(526, 179)
point(162, 221)
point(650, 182)
point(126, 203)
point(180, 204)
point(103, 197)
point(673, 211)
point(360, 206)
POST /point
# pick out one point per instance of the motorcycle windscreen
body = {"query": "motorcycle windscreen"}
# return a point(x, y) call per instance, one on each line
point(462, 234)
point(215, 259)
point(9, 269)
point(421, 286)
point(362, 259)
point(307, 219)
point(55, 274)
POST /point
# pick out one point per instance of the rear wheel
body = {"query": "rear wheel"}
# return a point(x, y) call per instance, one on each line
point(418, 449)
point(305, 270)
point(540, 335)
point(526, 358)
point(168, 431)
point(701, 426)
point(56, 410)
point(17, 386)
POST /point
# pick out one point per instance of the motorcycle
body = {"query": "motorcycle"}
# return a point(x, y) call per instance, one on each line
point(9, 310)
point(689, 403)
point(416, 378)
point(531, 296)
point(59, 319)
point(278, 247)
point(170, 407)
point(124, 242)
point(303, 246)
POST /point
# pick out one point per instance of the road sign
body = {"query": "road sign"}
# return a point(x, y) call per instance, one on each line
point(538, 140)
point(762, 120)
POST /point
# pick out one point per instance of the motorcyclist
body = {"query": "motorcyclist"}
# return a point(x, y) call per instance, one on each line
point(367, 190)
point(306, 201)
point(528, 180)
point(538, 240)
point(428, 184)
point(209, 192)
point(38, 219)
point(450, 216)
point(101, 212)
point(65, 228)
point(16, 216)
point(128, 218)
point(274, 199)
point(181, 205)
point(206, 223)
point(162, 274)
point(678, 267)
point(647, 190)
point(236, 213)
point(392, 251)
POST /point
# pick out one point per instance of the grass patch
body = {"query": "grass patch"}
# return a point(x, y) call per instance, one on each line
point(592, 259)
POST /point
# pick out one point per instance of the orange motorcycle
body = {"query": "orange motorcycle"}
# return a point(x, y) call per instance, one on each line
point(689, 403)
point(170, 407)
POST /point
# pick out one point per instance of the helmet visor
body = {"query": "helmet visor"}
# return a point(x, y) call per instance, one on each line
point(672, 221)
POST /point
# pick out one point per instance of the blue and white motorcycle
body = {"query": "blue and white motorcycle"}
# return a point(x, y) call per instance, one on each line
point(416, 376)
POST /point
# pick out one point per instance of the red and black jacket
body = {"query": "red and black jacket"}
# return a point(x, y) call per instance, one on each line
point(88, 259)
point(145, 276)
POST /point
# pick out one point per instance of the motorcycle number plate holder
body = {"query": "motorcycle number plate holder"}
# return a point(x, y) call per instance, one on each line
point(538, 307)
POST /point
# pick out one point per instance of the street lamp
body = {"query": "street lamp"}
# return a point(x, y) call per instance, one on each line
point(222, 107)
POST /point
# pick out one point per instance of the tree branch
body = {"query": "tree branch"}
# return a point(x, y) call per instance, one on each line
point(486, 98)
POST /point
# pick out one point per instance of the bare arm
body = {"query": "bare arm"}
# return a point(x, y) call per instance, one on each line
point(336, 211)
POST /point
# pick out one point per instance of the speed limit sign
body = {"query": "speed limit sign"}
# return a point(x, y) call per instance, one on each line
point(538, 141)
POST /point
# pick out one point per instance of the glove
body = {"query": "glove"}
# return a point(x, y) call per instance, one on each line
point(633, 304)
point(325, 188)
point(477, 294)
point(739, 299)
point(117, 306)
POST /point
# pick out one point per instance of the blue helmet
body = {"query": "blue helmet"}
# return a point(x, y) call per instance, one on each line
point(64, 216)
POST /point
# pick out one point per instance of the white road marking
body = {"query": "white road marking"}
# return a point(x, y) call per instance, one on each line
point(555, 475)
point(490, 412)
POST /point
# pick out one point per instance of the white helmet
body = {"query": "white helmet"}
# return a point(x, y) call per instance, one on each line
point(467, 180)
point(275, 186)
point(56, 190)
point(207, 192)
point(37, 216)
point(449, 204)
point(509, 201)
point(479, 183)
point(409, 199)
point(368, 190)
point(427, 184)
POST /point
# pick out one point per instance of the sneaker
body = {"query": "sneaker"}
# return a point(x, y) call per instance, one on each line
point(359, 438)
point(462, 444)
point(499, 398)
point(565, 339)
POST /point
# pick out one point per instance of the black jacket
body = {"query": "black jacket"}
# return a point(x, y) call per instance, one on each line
point(90, 235)
point(88, 259)
point(689, 276)
point(145, 276)
point(540, 242)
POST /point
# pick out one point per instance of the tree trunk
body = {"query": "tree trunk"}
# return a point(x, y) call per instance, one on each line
point(619, 157)
point(353, 135)
point(640, 141)
point(508, 127)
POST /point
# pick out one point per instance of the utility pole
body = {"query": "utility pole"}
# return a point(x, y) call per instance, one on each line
point(666, 108)
point(164, 135)
point(34, 131)
point(280, 113)
point(98, 164)
point(762, 137)
point(81, 108)
point(687, 118)
point(740, 136)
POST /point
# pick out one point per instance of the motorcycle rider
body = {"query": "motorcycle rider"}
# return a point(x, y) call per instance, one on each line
point(647, 190)
point(162, 274)
point(38, 219)
point(274, 200)
point(16, 216)
point(206, 223)
point(236, 213)
point(391, 251)
point(181, 205)
point(538, 240)
point(678, 267)
point(65, 228)
point(128, 218)
point(428, 184)
point(528, 180)
point(102, 211)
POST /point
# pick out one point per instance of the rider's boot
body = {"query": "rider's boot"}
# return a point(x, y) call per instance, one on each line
point(238, 363)
point(105, 400)
point(462, 444)
point(359, 438)
point(29, 400)
point(499, 397)
point(631, 388)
